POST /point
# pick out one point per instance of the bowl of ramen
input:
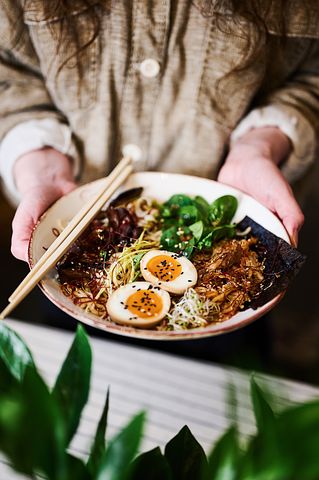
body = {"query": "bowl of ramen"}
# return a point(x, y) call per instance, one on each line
point(169, 257)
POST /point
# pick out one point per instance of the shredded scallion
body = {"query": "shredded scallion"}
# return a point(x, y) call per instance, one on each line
point(126, 266)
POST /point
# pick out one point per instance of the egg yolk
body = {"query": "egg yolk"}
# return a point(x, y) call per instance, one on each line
point(144, 303)
point(164, 268)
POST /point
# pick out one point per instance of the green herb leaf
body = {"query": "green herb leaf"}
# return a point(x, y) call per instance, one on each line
point(214, 235)
point(121, 451)
point(136, 262)
point(165, 211)
point(224, 231)
point(99, 447)
point(206, 241)
point(186, 457)
point(171, 222)
point(169, 239)
point(203, 206)
point(14, 352)
point(222, 210)
point(188, 247)
point(71, 389)
point(178, 200)
point(189, 214)
point(224, 459)
point(151, 465)
point(31, 429)
point(197, 229)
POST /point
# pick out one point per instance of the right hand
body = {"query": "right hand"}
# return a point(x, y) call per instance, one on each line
point(41, 176)
point(252, 166)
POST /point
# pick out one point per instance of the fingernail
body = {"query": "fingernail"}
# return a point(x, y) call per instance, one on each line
point(294, 238)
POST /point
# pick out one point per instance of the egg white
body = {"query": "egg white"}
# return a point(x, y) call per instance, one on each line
point(179, 285)
point(119, 314)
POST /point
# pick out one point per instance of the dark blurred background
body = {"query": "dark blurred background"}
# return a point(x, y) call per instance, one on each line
point(285, 342)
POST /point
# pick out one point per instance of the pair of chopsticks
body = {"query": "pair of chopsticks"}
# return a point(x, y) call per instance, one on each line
point(71, 232)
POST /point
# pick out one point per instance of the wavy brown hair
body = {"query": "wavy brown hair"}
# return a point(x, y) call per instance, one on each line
point(66, 32)
point(230, 16)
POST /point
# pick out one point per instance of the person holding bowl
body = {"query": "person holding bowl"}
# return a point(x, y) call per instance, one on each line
point(224, 89)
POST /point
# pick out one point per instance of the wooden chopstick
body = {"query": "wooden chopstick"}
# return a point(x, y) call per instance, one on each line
point(73, 230)
point(72, 224)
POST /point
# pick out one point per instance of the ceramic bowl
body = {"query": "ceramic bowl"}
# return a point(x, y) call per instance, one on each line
point(159, 186)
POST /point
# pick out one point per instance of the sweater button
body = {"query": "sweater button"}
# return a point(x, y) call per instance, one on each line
point(149, 68)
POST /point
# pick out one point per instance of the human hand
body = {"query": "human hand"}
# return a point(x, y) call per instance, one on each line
point(41, 176)
point(252, 166)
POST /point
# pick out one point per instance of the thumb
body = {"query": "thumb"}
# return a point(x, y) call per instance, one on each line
point(67, 186)
point(289, 212)
point(292, 226)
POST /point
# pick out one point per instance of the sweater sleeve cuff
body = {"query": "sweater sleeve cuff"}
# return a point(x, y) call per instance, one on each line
point(29, 136)
point(294, 125)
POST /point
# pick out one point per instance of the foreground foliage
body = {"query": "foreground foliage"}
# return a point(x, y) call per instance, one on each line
point(37, 425)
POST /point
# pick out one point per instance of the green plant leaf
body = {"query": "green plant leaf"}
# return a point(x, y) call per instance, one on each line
point(224, 459)
point(72, 386)
point(264, 414)
point(7, 381)
point(99, 446)
point(76, 469)
point(298, 440)
point(14, 352)
point(291, 452)
point(186, 457)
point(262, 458)
point(151, 465)
point(31, 429)
point(121, 450)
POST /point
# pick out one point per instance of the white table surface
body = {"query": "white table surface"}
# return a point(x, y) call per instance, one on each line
point(173, 390)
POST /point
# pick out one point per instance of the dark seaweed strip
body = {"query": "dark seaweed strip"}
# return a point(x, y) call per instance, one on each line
point(282, 262)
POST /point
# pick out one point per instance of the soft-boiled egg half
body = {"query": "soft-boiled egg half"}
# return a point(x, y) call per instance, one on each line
point(138, 304)
point(169, 271)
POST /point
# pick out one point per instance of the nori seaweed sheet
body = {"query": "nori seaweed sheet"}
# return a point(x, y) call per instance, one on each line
point(282, 262)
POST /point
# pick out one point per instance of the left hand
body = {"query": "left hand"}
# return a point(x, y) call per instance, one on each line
point(252, 166)
point(41, 176)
